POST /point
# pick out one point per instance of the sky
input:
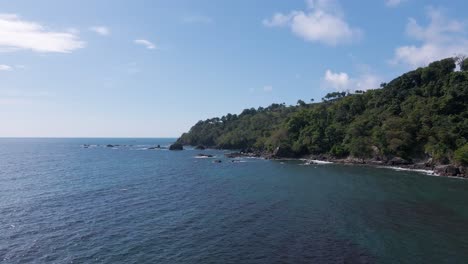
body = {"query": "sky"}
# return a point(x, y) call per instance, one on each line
point(148, 68)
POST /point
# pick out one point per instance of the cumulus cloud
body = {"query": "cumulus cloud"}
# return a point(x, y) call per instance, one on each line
point(341, 81)
point(338, 81)
point(4, 67)
point(441, 38)
point(323, 22)
point(148, 44)
point(393, 3)
point(101, 30)
point(19, 34)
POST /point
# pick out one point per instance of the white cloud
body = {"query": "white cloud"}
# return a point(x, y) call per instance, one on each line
point(101, 30)
point(323, 21)
point(441, 38)
point(267, 88)
point(148, 44)
point(4, 67)
point(341, 81)
point(338, 81)
point(393, 3)
point(367, 82)
point(197, 20)
point(19, 34)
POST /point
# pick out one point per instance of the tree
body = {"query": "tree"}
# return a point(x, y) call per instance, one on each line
point(461, 155)
point(419, 114)
point(334, 96)
point(301, 103)
point(462, 62)
point(464, 65)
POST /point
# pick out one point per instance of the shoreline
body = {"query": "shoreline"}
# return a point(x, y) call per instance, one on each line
point(447, 170)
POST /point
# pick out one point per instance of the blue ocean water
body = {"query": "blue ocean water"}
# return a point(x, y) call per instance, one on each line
point(63, 203)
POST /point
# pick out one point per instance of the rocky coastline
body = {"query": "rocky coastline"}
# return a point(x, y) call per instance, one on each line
point(448, 170)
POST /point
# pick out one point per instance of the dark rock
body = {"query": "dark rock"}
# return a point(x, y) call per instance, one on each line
point(421, 166)
point(176, 146)
point(110, 146)
point(157, 147)
point(447, 170)
point(217, 161)
point(247, 150)
point(398, 161)
point(234, 155)
point(200, 147)
point(283, 152)
point(429, 162)
point(463, 171)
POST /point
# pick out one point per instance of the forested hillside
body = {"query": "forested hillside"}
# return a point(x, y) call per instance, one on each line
point(420, 115)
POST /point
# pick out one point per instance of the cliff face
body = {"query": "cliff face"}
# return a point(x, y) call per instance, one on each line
point(421, 116)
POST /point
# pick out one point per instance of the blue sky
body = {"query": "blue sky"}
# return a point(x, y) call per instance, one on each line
point(141, 68)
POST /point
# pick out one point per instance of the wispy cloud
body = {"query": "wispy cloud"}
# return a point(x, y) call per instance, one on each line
point(323, 22)
point(4, 67)
point(441, 38)
point(101, 30)
point(197, 19)
point(393, 3)
point(19, 34)
point(148, 44)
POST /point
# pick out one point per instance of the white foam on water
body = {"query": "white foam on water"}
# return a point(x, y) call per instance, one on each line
point(321, 162)
point(239, 161)
point(315, 162)
point(428, 172)
point(204, 157)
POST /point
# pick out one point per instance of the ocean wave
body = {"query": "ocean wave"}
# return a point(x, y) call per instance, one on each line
point(428, 172)
point(315, 162)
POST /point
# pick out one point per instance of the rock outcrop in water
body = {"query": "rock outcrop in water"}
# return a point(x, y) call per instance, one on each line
point(176, 146)
point(447, 170)
point(156, 147)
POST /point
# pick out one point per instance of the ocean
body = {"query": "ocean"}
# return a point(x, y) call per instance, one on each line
point(62, 202)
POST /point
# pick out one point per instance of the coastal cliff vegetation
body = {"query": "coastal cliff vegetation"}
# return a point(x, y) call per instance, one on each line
point(421, 115)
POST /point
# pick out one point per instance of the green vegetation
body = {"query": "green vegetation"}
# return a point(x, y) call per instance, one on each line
point(461, 155)
point(420, 115)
